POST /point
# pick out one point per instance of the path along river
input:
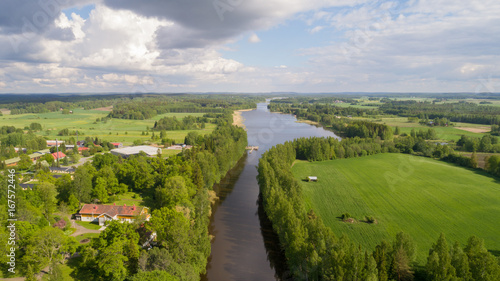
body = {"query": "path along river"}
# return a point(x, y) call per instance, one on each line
point(245, 246)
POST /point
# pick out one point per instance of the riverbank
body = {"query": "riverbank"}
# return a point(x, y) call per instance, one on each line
point(308, 122)
point(238, 119)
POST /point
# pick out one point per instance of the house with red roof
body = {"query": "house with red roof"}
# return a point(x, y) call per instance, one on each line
point(58, 155)
point(82, 149)
point(117, 144)
point(102, 213)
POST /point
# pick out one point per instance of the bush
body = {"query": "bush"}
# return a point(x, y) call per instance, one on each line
point(369, 219)
point(345, 216)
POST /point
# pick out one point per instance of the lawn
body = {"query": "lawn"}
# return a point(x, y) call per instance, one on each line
point(119, 130)
point(420, 196)
point(81, 237)
point(89, 225)
point(128, 198)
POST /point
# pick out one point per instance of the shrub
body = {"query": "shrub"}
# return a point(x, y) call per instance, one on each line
point(369, 219)
point(345, 216)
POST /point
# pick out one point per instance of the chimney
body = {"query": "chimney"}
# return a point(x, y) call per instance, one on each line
point(95, 207)
point(133, 208)
point(114, 204)
point(124, 205)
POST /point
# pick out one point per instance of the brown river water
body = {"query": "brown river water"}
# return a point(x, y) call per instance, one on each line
point(245, 246)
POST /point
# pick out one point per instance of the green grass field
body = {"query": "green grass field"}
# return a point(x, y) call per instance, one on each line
point(444, 133)
point(420, 196)
point(119, 130)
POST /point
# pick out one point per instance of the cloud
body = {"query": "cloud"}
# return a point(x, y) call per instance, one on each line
point(155, 46)
point(316, 29)
point(200, 23)
point(254, 38)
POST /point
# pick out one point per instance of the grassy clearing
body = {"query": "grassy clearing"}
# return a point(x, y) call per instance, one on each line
point(420, 196)
point(481, 157)
point(89, 225)
point(81, 237)
point(128, 198)
point(120, 130)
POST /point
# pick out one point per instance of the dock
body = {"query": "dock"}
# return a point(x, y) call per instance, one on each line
point(252, 148)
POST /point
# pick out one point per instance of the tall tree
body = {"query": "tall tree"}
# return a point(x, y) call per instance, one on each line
point(439, 261)
point(82, 183)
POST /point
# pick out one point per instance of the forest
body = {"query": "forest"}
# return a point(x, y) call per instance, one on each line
point(187, 123)
point(456, 112)
point(149, 106)
point(178, 191)
point(128, 106)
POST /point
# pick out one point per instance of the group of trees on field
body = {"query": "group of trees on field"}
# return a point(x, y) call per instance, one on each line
point(486, 143)
point(12, 137)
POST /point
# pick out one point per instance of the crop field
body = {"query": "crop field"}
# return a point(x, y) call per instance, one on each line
point(420, 196)
point(119, 130)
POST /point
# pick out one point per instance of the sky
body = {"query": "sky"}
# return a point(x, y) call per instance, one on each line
point(129, 46)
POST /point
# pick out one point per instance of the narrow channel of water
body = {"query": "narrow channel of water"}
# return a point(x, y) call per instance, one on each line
point(245, 246)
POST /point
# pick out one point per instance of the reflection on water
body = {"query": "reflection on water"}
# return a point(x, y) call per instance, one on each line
point(245, 247)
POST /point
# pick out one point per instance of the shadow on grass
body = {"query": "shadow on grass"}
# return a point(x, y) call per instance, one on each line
point(496, 253)
point(477, 171)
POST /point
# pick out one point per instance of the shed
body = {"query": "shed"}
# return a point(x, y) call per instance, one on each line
point(312, 178)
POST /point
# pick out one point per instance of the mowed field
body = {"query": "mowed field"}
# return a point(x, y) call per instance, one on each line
point(119, 130)
point(420, 196)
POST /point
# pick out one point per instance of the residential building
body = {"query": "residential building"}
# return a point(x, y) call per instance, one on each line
point(102, 213)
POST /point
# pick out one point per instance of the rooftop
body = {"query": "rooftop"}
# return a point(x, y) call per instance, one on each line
point(132, 150)
point(111, 210)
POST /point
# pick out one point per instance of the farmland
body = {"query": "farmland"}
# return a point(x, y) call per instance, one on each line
point(420, 196)
point(444, 133)
point(120, 130)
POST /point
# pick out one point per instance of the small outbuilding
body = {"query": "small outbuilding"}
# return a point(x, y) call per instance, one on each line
point(312, 178)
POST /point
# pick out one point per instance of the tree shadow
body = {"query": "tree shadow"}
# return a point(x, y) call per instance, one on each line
point(496, 253)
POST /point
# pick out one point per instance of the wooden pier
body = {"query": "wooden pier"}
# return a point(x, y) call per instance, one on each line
point(252, 148)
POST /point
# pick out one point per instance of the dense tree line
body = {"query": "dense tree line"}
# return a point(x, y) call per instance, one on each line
point(187, 123)
point(364, 129)
point(11, 138)
point(472, 262)
point(486, 143)
point(314, 253)
point(318, 112)
point(455, 112)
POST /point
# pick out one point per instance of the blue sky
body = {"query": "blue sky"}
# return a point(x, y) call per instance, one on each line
point(253, 46)
point(82, 11)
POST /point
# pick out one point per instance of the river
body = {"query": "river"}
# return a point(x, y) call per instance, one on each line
point(245, 246)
